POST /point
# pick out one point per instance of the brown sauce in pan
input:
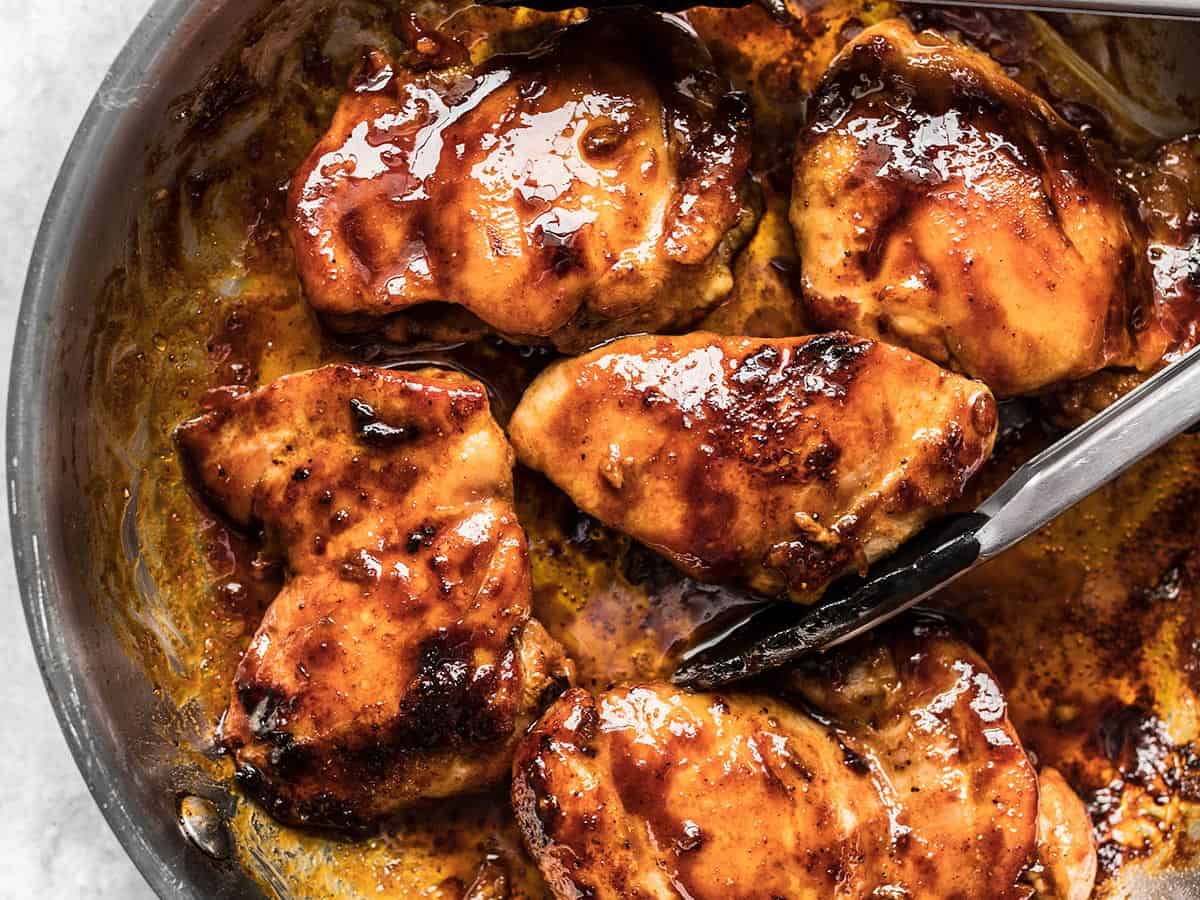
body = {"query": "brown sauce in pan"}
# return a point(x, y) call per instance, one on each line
point(1091, 625)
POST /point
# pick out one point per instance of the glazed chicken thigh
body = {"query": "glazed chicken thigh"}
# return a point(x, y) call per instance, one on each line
point(1168, 187)
point(907, 780)
point(1167, 190)
point(593, 188)
point(399, 660)
point(779, 463)
point(939, 205)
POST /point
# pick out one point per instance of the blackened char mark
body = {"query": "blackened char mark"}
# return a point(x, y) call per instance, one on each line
point(773, 386)
point(371, 430)
point(829, 363)
point(448, 701)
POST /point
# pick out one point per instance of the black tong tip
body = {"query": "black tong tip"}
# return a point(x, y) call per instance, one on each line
point(783, 632)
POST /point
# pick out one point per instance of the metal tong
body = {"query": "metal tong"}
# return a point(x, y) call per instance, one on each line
point(1055, 480)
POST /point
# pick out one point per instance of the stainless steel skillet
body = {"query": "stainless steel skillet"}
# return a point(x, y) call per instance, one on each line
point(103, 700)
point(102, 697)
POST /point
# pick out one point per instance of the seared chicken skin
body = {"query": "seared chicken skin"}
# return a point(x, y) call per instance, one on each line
point(909, 781)
point(939, 205)
point(590, 189)
point(780, 463)
point(399, 660)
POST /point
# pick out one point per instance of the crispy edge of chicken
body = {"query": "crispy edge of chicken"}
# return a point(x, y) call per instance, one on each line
point(939, 205)
point(780, 463)
point(399, 660)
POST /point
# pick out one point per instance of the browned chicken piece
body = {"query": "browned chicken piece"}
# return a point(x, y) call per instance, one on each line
point(907, 780)
point(1167, 190)
point(399, 660)
point(593, 188)
point(1166, 193)
point(939, 205)
point(781, 463)
point(1066, 848)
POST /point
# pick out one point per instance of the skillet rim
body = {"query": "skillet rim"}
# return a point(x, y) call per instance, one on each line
point(128, 85)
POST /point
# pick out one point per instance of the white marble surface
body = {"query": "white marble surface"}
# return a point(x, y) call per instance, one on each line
point(53, 840)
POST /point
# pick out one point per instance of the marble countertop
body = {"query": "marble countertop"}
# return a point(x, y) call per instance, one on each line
point(55, 842)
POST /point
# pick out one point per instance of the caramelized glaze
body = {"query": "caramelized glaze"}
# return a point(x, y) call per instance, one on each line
point(571, 194)
point(940, 206)
point(907, 762)
point(398, 660)
point(780, 463)
point(1167, 189)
